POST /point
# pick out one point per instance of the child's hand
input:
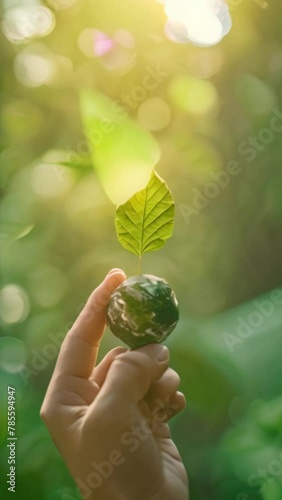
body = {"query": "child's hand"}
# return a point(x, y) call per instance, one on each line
point(108, 421)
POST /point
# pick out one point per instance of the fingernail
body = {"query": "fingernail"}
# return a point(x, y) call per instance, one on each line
point(115, 270)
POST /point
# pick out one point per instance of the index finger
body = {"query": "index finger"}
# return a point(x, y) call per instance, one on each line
point(79, 349)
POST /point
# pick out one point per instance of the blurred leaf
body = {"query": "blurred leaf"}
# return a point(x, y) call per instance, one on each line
point(145, 222)
point(123, 153)
point(268, 414)
point(273, 490)
point(256, 95)
point(238, 348)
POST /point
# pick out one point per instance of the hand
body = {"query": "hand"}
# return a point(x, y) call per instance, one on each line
point(109, 421)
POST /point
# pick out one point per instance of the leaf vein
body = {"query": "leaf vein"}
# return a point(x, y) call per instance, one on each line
point(127, 232)
point(147, 215)
point(155, 192)
point(160, 227)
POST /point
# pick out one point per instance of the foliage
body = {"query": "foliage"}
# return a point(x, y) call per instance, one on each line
point(211, 119)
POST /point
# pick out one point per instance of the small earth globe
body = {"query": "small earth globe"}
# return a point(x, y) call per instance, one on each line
point(142, 310)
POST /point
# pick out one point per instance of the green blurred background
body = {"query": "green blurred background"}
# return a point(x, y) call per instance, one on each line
point(191, 111)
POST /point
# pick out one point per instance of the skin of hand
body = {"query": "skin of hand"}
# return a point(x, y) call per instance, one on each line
point(109, 421)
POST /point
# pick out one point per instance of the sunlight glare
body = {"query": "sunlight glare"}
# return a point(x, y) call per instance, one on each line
point(201, 22)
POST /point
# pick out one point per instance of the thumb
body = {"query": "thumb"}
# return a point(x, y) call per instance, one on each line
point(132, 373)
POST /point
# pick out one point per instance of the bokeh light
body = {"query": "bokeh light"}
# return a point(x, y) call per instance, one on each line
point(95, 43)
point(21, 24)
point(201, 22)
point(154, 114)
point(49, 180)
point(115, 52)
point(14, 304)
point(35, 66)
point(94, 95)
point(196, 97)
point(12, 354)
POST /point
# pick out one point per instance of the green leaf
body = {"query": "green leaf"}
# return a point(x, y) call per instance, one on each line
point(123, 153)
point(146, 220)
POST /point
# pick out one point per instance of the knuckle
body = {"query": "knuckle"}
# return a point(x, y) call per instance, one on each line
point(169, 379)
point(44, 413)
point(176, 378)
point(128, 359)
point(183, 402)
point(138, 362)
point(49, 414)
point(136, 366)
point(170, 376)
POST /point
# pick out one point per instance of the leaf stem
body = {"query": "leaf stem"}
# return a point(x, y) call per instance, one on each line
point(139, 264)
